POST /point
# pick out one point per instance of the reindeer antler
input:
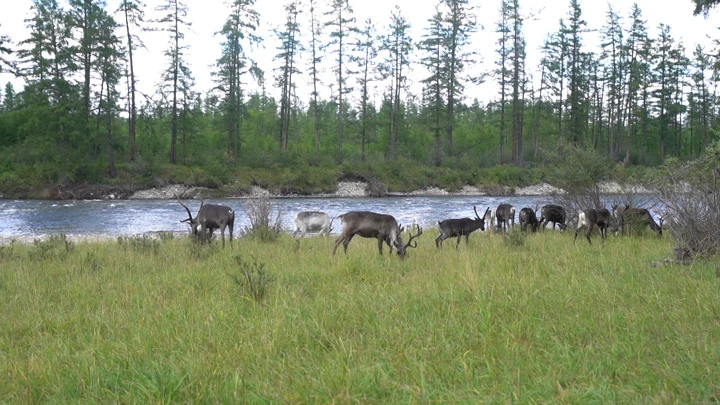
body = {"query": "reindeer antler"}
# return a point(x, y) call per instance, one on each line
point(420, 231)
point(186, 209)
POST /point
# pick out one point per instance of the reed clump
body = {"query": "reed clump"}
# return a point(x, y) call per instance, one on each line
point(547, 321)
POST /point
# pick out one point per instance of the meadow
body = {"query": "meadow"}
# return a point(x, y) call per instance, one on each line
point(533, 319)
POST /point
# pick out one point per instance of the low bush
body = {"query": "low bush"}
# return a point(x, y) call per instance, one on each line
point(690, 193)
point(251, 278)
point(265, 219)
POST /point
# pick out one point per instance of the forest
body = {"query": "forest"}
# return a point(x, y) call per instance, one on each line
point(636, 100)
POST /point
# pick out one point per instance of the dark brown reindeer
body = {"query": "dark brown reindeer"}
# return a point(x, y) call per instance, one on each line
point(553, 213)
point(591, 218)
point(460, 227)
point(629, 216)
point(373, 225)
point(209, 218)
point(527, 217)
point(505, 215)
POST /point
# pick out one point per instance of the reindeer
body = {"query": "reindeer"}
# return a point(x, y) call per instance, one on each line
point(553, 213)
point(630, 215)
point(593, 217)
point(373, 225)
point(312, 221)
point(209, 218)
point(505, 213)
point(527, 217)
point(460, 227)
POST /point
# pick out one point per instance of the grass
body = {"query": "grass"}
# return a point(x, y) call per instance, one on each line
point(547, 321)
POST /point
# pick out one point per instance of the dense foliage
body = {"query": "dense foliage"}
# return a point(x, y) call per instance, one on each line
point(635, 100)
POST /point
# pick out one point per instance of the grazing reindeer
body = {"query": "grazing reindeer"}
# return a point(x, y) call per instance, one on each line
point(209, 218)
point(460, 227)
point(505, 213)
point(373, 225)
point(553, 213)
point(593, 217)
point(312, 221)
point(630, 216)
point(527, 217)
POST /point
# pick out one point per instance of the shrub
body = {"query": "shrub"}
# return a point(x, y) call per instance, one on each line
point(262, 225)
point(691, 195)
point(515, 238)
point(55, 246)
point(579, 172)
point(251, 279)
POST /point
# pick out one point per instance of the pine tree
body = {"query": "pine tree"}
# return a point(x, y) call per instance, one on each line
point(366, 65)
point(517, 80)
point(177, 76)
point(433, 47)
point(289, 48)
point(576, 72)
point(461, 24)
point(238, 32)
point(503, 69)
point(109, 55)
point(85, 18)
point(397, 45)
point(133, 16)
point(612, 52)
point(315, 59)
point(663, 92)
point(341, 24)
point(700, 100)
point(636, 68)
point(5, 64)
point(47, 65)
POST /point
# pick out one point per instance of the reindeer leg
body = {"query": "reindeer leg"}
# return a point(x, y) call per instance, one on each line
point(337, 243)
point(576, 232)
point(439, 240)
point(347, 242)
point(587, 235)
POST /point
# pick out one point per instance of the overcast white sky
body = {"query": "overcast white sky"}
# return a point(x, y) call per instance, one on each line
point(208, 16)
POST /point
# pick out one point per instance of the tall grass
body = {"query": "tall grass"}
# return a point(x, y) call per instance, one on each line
point(546, 321)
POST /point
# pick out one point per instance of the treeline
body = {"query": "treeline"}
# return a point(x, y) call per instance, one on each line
point(637, 99)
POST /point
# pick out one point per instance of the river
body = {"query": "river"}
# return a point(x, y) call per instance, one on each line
point(28, 219)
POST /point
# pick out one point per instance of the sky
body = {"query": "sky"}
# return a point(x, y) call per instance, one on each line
point(208, 16)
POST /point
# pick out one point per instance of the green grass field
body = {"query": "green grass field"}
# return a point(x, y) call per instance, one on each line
point(526, 320)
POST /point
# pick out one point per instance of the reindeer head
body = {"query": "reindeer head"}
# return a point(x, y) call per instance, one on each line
point(194, 226)
point(400, 247)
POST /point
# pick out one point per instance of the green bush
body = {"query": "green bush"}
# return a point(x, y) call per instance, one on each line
point(251, 278)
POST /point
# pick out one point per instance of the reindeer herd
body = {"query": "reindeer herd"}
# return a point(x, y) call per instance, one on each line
point(386, 229)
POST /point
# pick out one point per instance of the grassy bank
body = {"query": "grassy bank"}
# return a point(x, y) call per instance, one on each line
point(168, 321)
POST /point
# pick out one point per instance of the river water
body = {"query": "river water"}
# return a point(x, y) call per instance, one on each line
point(29, 219)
